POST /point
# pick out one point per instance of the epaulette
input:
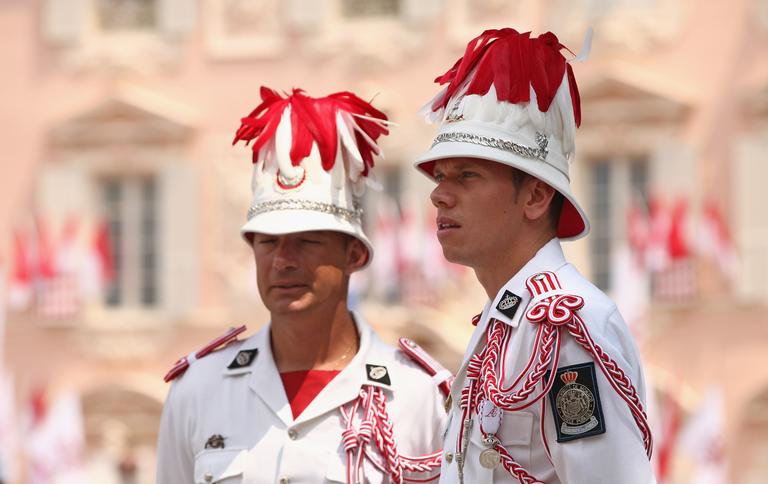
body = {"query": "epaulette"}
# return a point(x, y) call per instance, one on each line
point(441, 376)
point(183, 363)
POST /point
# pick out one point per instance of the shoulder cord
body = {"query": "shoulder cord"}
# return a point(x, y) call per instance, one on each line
point(552, 313)
point(377, 426)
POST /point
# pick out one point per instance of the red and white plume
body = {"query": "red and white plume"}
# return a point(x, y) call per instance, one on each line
point(512, 79)
point(340, 127)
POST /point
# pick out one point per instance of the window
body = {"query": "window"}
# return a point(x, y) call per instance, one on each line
point(126, 15)
point(383, 223)
point(130, 206)
point(615, 184)
point(370, 8)
point(601, 224)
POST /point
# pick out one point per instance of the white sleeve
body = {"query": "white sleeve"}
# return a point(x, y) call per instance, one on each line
point(617, 455)
point(175, 458)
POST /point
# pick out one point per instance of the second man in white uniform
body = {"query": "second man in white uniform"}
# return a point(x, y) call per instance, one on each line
point(551, 388)
point(314, 396)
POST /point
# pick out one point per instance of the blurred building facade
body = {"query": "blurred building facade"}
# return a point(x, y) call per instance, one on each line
point(119, 115)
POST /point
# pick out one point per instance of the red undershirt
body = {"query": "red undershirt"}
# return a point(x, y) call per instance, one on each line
point(301, 387)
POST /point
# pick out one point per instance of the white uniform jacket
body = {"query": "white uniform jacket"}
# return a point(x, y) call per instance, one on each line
point(224, 425)
point(616, 455)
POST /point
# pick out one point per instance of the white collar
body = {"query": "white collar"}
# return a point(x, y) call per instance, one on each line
point(265, 379)
point(549, 257)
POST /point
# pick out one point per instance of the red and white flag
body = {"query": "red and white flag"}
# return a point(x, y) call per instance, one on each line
point(714, 239)
point(60, 294)
point(45, 251)
point(701, 441)
point(98, 269)
point(677, 239)
point(21, 280)
point(669, 252)
point(665, 438)
point(56, 441)
point(638, 230)
point(657, 249)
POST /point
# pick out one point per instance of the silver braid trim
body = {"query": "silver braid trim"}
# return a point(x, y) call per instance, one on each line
point(539, 153)
point(274, 205)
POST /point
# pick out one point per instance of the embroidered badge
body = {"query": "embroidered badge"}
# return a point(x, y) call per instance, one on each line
point(285, 183)
point(575, 402)
point(215, 441)
point(509, 304)
point(244, 358)
point(378, 374)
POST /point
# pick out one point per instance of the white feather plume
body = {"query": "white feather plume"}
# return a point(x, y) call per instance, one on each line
point(283, 140)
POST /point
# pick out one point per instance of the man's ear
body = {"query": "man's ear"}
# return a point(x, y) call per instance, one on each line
point(539, 198)
point(357, 255)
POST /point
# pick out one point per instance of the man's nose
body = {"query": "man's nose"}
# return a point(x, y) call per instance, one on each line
point(442, 197)
point(286, 256)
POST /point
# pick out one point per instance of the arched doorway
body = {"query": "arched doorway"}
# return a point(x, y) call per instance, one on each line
point(121, 434)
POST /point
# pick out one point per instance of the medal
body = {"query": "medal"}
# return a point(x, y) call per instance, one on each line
point(490, 458)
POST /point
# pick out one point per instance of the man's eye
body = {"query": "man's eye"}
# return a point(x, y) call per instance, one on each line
point(266, 241)
point(439, 177)
point(311, 241)
point(468, 174)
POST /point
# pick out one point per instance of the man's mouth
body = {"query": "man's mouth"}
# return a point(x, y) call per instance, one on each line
point(288, 286)
point(446, 223)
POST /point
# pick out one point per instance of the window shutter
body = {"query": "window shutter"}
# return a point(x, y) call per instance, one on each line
point(63, 21)
point(64, 190)
point(749, 219)
point(179, 245)
point(177, 17)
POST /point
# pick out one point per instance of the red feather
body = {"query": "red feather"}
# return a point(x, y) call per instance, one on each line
point(313, 120)
point(512, 62)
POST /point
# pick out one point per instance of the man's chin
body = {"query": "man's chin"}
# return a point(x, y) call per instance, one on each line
point(455, 255)
point(294, 306)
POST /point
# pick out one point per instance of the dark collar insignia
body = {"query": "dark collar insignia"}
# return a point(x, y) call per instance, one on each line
point(575, 401)
point(508, 304)
point(215, 441)
point(378, 374)
point(243, 359)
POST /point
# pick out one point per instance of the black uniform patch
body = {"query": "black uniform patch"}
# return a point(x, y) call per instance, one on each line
point(508, 304)
point(378, 374)
point(215, 441)
point(575, 402)
point(243, 359)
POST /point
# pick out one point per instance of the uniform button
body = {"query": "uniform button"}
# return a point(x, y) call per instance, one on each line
point(208, 477)
point(284, 480)
point(449, 457)
point(292, 434)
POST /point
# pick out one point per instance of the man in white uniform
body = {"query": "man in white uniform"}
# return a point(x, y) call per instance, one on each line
point(314, 396)
point(551, 388)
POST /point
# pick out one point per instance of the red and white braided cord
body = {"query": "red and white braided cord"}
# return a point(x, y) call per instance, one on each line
point(378, 426)
point(515, 469)
point(552, 313)
point(620, 382)
point(561, 310)
point(549, 354)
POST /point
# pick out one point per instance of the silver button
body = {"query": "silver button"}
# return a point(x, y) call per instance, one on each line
point(292, 434)
point(284, 480)
point(538, 277)
point(208, 477)
point(449, 457)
